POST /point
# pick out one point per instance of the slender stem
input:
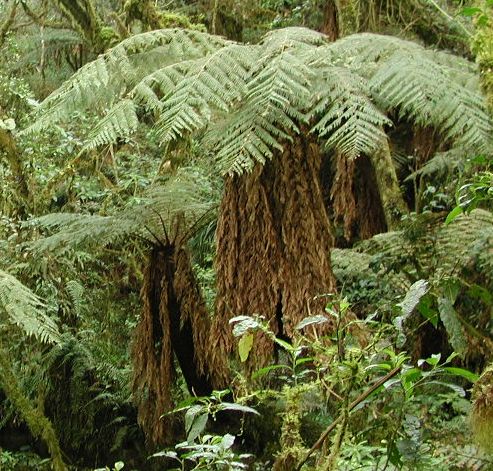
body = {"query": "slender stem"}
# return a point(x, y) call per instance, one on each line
point(353, 404)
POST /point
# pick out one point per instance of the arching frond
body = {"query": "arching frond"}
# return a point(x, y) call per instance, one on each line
point(258, 97)
point(423, 91)
point(24, 309)
point(214, 82)
point(271, 111)
point(117, 71)
point(347, 117)
point(190, 197)
point(120, 121)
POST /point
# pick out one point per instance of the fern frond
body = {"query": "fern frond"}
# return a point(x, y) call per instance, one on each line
point(119, 122)
point(190, 195)
point(24, 309)
point(442, 163)
point(271, 111)
point(214, 82)
point(424, 92)
point(348, 118)
point(114, 73)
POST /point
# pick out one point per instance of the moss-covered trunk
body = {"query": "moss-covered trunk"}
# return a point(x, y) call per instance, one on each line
point(38, 423)
point(393, 204)
point(273, 244)
point(10, 151)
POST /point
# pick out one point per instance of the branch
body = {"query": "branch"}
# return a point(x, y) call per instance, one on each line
point(5, 27)
point(353, 404)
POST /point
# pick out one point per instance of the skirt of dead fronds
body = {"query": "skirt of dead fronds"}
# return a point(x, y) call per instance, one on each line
point(174, 322)
point(273, 243)
point(482, 412)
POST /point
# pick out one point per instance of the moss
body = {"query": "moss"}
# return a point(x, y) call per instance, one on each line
point(38, 423)
point(482, 413)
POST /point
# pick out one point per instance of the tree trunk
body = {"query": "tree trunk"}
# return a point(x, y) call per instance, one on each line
point(393, 204)
point(9, 149)
point(38, 423)
point(330, 19)
point(273, 248)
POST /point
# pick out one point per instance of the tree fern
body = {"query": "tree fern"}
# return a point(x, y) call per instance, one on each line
point(120, 69)
point(189, 197)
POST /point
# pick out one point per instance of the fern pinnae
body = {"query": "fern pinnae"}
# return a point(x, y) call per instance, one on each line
point(346, 115)
point(272, 109)
point(25, 309)
point(119, 122)
point(213, 82)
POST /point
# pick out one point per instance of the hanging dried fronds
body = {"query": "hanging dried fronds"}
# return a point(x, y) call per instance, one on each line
point(274, 225)
point(174, 322)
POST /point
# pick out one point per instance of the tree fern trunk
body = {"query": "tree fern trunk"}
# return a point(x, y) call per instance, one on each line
point(38, 423)
point(9, 148)
point(273, 244)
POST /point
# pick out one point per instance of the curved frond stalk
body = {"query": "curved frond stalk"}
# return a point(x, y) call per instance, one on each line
point(24, 309)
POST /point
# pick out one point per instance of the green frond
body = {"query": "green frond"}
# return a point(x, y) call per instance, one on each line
point(117, 71)
point(272, 109)
point(345, 113)
point(258, 97)
point(211, 83)
point(442, 163)
point(292, 37)
point(187, 199)
point(120, 121)
point(24, 309)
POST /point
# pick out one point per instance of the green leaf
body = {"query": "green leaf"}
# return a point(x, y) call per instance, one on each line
point(243, 324)
point(426, 310)
point(453, 214)
point(407, 305)
point(198, 426)
point(119, 465)
point(237, 407)
point(469, 375)
point(470, 11)
point(267, 369)
point(245, 346)
point(320, 319)
point(452, 324)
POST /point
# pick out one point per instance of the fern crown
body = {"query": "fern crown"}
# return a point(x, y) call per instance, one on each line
point(250, 99)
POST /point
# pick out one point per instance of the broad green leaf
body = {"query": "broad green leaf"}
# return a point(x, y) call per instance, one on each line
point(470, 11)
point(452, 324)
point(453, 214)
point(320, 319)
point(198, 426)
point(245, 346)
point(469, 375)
